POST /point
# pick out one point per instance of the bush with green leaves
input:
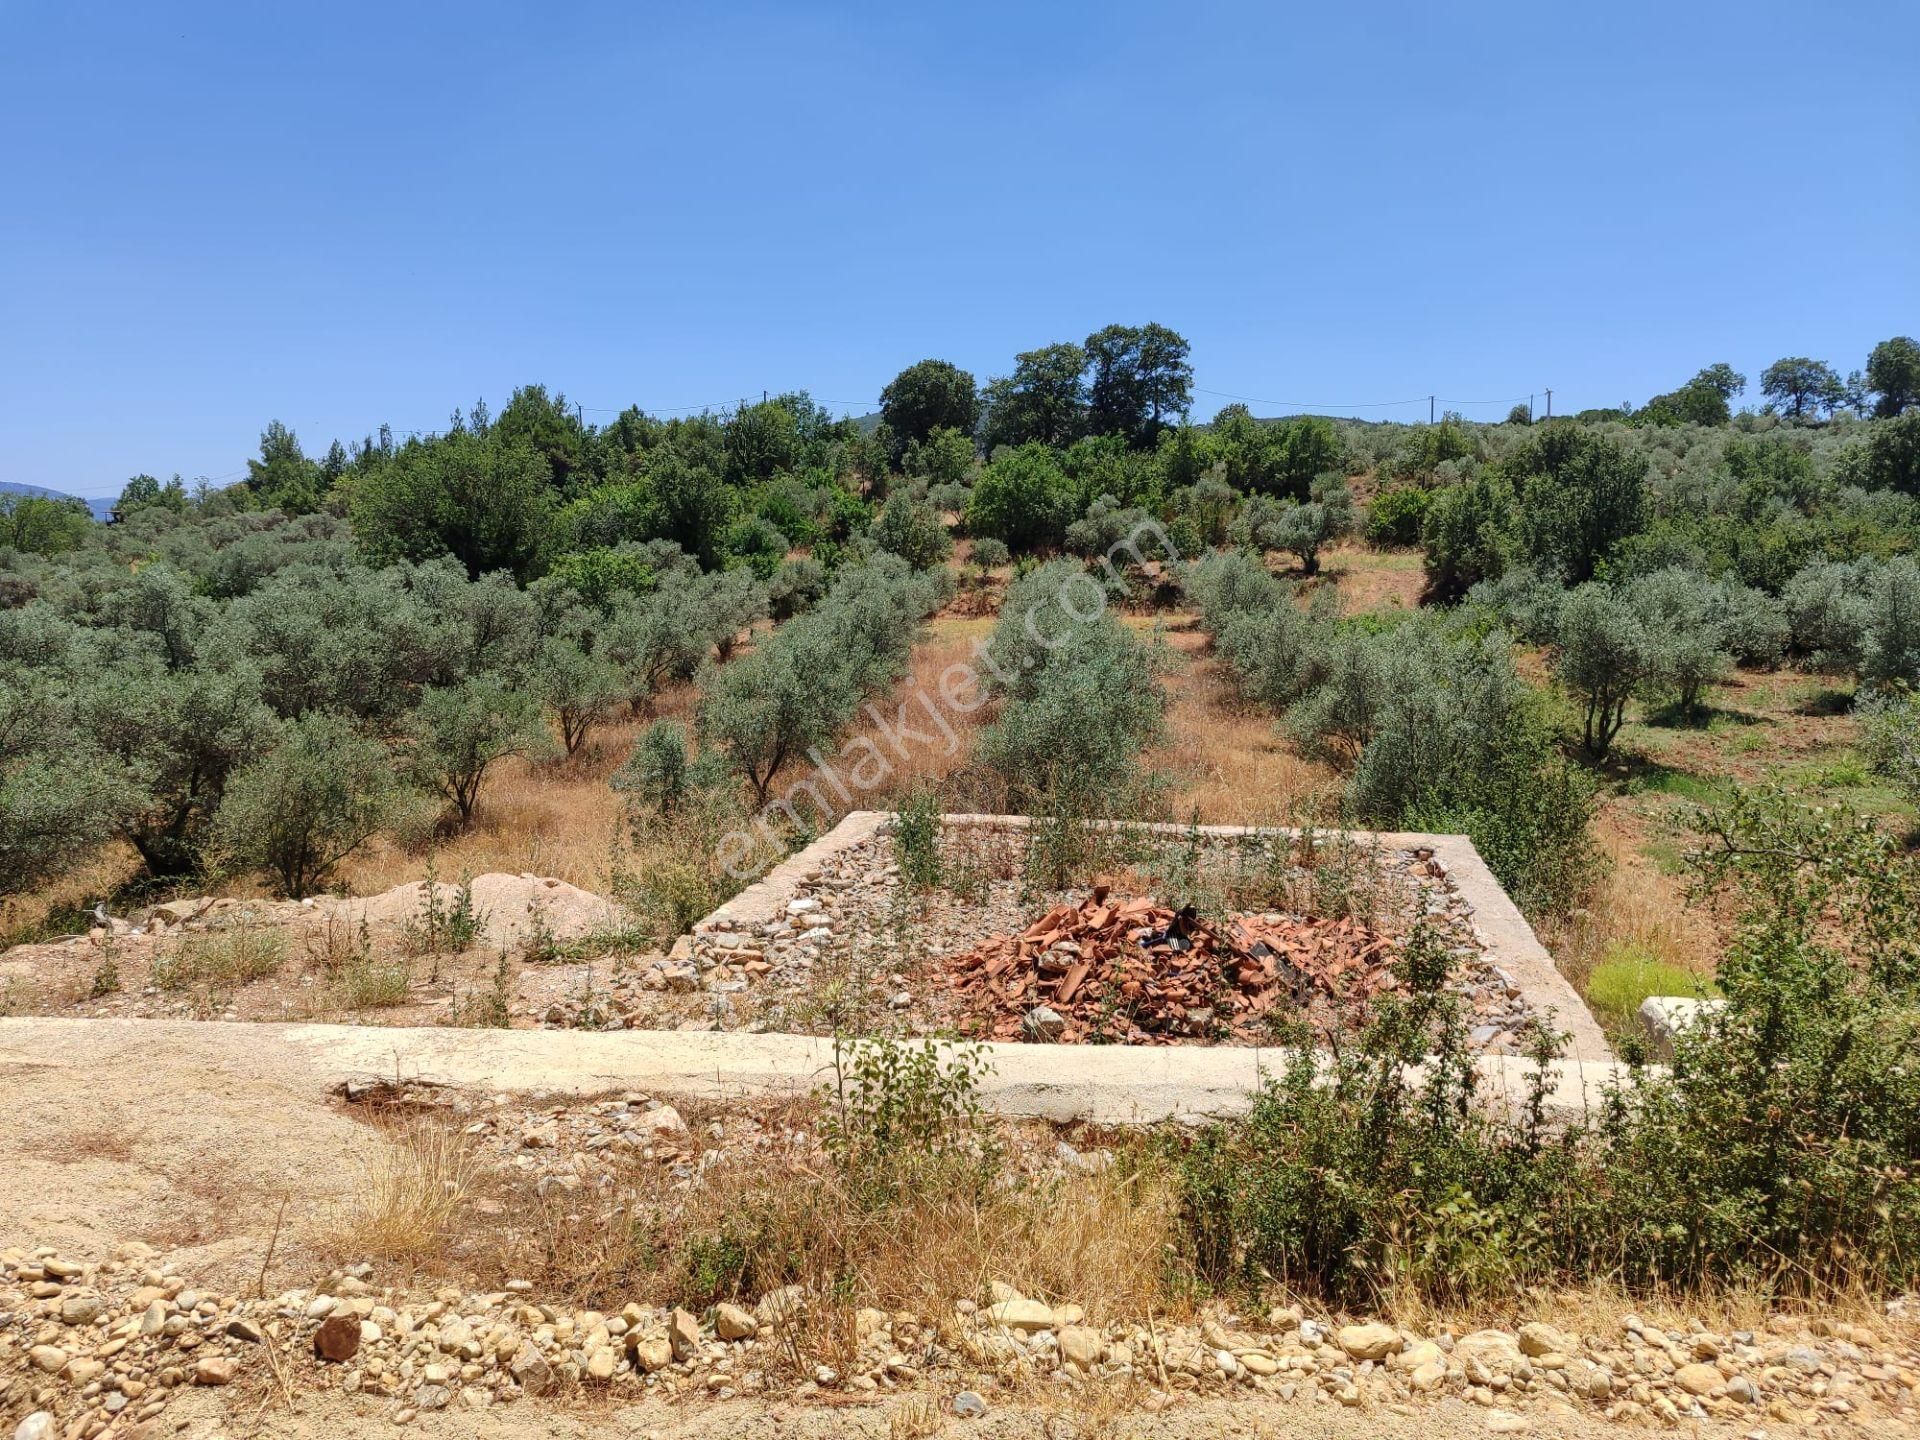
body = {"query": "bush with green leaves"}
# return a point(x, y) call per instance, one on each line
point(991, 554)
point(1603, 655)
point(56, 799)
point(1686, 642)
point(1023, 498)
point(1383, 1170)
point(1395, 516)
point(578, 685)
point(1890, 642)
point(912, 530)
point(319, 794)
point(171, 738)
point(1468, 534)
point(1890, 735)
point(1581, 494)
point(1827, 609)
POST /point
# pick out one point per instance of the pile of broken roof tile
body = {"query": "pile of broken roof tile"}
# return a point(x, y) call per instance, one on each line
point(1134, 971)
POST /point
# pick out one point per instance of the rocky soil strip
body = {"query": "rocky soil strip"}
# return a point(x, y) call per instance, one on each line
point(97, 1352)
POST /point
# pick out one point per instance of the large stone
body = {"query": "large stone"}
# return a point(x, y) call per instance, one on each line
point(37, 1426)
point(50, 1358)
point(1043, 1024)
point(662, 1120)
point(683, 1333)
point(530, 1369)
point(213, 1370)
point(82, 1309)
point(1082, 1345)
point(651, 1353)
point(1367, 1342)
point(1539, 1339)
point(338, 1338)
point(1021, 1315)
point(600, 1364)
point(1663, 1017)
point(1699, 1379)
point(730, 1322)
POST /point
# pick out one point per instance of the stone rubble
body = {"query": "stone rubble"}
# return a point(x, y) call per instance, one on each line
point(107, 1367)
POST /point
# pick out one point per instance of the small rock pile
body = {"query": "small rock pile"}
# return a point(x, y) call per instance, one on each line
point(95, 1352)
point(1136, 971)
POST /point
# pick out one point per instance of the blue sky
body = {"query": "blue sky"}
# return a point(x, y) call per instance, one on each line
point(343, 214)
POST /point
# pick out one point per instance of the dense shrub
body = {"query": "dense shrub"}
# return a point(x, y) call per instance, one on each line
point(911, 530)
point(319, 794)
point(1602, 656)
point(1468, 534)
point(1395, 517)
point(1352, 1181)
point(1023, 498)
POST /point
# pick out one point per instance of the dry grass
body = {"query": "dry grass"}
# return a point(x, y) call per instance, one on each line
point(410, 1207)
point(753, 1222)
point(1633, 907)
point(1227, 762)
point(1371, 579)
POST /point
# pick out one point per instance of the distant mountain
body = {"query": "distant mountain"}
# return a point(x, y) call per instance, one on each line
point(100, 509)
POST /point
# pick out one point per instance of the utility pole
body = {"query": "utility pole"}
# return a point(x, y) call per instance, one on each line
point(1529, 409)
point(1549, 402)
point(1429, 409)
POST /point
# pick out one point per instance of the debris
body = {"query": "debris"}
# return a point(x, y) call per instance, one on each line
point(1136, 971)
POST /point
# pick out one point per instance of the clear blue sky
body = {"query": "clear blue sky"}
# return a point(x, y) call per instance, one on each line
point(341, 214)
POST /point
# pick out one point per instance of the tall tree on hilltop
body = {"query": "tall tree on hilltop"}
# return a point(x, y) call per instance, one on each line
point(1140, 377)
point(925, 396)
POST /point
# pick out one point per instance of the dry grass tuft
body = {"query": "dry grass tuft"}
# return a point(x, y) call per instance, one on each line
point(410, 1208)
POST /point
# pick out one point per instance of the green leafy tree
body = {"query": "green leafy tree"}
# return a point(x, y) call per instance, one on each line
point(545, 424)
point(283, 478)
point(319, 794)
point(930, 395)
point(1023, 498)
point(1893, 454)
point(1044, 401)
point(577, 684)
point(1468, 533)
point(945, 457)
point(486, 502)
point(1893, 375)
point(690, 504)
point(1581, 494)
point(1140, 377)
point(1802, 389)
point(459, 732)
point(172, 738)
point(57, 801)
point(38, 525)
point(762, 441)
point(143, 491)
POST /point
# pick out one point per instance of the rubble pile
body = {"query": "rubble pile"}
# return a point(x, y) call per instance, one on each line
point(1136, 971)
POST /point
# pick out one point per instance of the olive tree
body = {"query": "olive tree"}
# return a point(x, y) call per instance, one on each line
point(1602, 656)
point(460, 731)
point(318, 795)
